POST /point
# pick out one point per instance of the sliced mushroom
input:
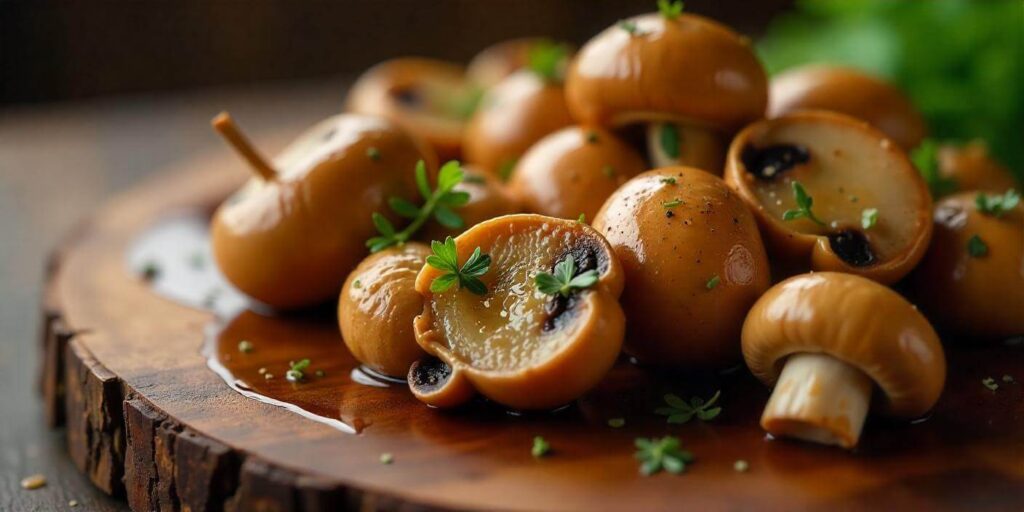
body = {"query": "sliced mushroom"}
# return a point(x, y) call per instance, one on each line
point(825, 341)
point(488, 198)
point(377, 306)
point(517, 345)
point(430, 98)
point(851, 92)
point(694, 264)
point(970, 167)
point(971, 282)
point(572, 171)
point(871, 209)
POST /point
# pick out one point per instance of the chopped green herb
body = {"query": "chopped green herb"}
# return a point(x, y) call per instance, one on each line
point(617, 422)
point(997, 205)
point(150, 271)
point(669, 139)
point(541, 447)
point(386, 458)
point(661, 454)
point(977, 247)
point(608, 171)
point(506, 169)
point(670, 10)
point(582, 219)
point(592, 137)
point(926, 158)
point(680, 411)
point(438, 204)
point(297, 371)
point(803, 203)
point(373, 153)
point(630, 27)
point(741, 466)
point(445, 258)
point(668, 181)
point(989, 383)
point(245, 346)
point(868, 218)
point(565, 281)
point(672, 204)
point(357, 284)
point(547, 60)
point(713, 282)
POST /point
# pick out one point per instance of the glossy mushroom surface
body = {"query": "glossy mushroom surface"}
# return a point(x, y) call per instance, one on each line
point(429, 98)
point(694, 264)
point(289, 240)
point(494, 63)
point(849, 170)
point(835, 345)
point(971, 282)
point(377, 306)
point(573, 171)
point(518, 346)
point(851, 92)
point(971, 167)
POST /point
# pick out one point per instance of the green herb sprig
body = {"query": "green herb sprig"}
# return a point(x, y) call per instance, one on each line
point(668, 137)
point(926, 158)
point(868, 218)
point(670, 10)
point(997, 205)
point(541, 447)
point(661, 454)
point(680, 411)
point(297, 371)
point(438, 204)
point(713, 282)
point(446, 258)
point(804, 202)
point(565, 282)
point(976, 247)
point(547, 60)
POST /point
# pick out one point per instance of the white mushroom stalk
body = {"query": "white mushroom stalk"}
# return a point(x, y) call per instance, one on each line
point(818, 398)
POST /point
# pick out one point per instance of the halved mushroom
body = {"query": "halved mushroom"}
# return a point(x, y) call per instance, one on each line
point(494, 63)
point(377, 306)
point(832, 193)
point(827, 341)
point(970, 167)
point(851, 92)
point(518, 345)
point(971, 282)
point(572, 172)
point(436, 383)
point(694, 264)
point(686, 71)
point(430, 98)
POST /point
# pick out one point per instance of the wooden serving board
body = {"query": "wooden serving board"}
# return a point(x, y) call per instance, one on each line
point(160, 405)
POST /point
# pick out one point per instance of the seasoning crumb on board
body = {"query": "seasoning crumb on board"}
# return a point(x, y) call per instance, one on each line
point(33, 482)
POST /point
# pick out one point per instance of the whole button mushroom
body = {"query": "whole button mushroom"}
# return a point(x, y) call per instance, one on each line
point(523, 308)
point(832, 193)
point(488, 198)
point(572, 171)
point(429, 98)
point(693, 80)
point(971, 282)
point(290, 236)
point(970, 167)
point(377, 306)
point(694, 264)
point(851, 92)
point(827, 342)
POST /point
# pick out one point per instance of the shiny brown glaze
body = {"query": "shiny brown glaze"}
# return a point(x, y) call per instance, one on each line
point(290, 242)
point(846, 166)
point(512, 116)
point(971, 167)
point(851, 92)
point(976, 297)
point(377, 305)
point(488, 198)
point(691, 69)
point(670, 254)
point(425, 96)
point(572, 172)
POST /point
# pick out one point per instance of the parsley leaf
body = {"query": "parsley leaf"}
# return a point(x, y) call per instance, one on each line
point(630, 27)
point(670, 10)
point(445, 258)
point(713, 282)
point(672, 204)
point(658, 454)
point(976, 247)
point(997, 205)
point(565, 282)
point(541, 447)
point(547, 60)
point(668, 181)
point(437, 204)
point(297, 371)
point(680, 411)
point(803, 203)
point(868, 218)
point(669, 139)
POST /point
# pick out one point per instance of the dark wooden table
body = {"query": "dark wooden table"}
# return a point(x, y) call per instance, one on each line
point(57, 163)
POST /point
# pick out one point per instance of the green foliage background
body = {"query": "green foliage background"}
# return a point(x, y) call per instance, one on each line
point(961, 61)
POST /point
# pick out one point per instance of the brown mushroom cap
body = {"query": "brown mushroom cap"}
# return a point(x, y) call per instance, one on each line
point(377, 306)
point(517, 346)
point(280, 241)
point(512, 116)
point(972, 168)
point(690, 68)
point(425, 96)
point(488, 198)
point(855, 320)
point(846, 166)
point(494, 63)
point(673, 240)
point(572, 171)
point(976, 297)
point(850, 92)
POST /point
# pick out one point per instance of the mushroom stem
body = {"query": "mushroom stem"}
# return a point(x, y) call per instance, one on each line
point(680, 143)
point(818, 398)
point(226, 126)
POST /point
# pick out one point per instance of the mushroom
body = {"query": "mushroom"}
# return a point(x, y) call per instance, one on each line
point(687, 72)
point(377, 306)
point(435, 383)
point(851, 92)
point(494, 63)
point(522, 343)
point(488, 198)
point(572, 171)
point(430, 98)
point(970, 167)
point(832, 193)
point(971, 282)
point(693, 261)
point(290, 236)
point(827, 341)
